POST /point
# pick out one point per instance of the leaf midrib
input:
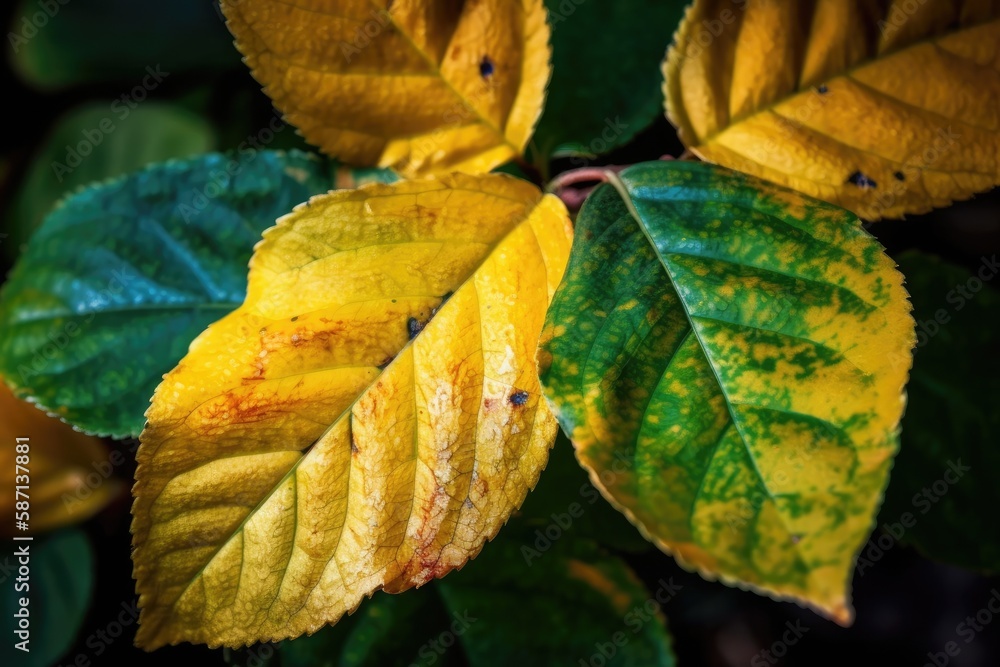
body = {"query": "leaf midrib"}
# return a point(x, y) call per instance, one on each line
point(847, 73)
point(616, 182)
point(346, 413)
point(436, 69)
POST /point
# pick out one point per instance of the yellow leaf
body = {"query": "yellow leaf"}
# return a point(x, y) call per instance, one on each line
point(69, 473)
point(421, 86)
point(882, 108)
point(366, 420)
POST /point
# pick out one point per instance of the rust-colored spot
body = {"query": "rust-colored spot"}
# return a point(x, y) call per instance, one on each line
point(482, 486)
point(239, 409)
point(487, 404)
point(354, 446)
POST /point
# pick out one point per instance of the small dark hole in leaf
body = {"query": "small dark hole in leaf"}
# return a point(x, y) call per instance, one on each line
point(862, 181)
point(822, 90)
point(519, 397)
point(900, 176)
point(414, 326)
point(486, 67)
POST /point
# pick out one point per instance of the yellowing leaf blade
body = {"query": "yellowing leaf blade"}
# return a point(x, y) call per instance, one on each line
point(307, 452)
point(420, 86)
point(884, 111)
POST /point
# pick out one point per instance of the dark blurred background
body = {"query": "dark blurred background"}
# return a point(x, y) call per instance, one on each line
point(91, 52)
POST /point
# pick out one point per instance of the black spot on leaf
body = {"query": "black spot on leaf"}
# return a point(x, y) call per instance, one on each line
point(822, 90)
point(486, 67)
point(414, 326)
point(900, 176)
point(862, 181)
point(519, 397)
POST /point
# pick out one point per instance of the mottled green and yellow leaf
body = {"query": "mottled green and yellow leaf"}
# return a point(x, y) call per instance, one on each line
point(729, 358)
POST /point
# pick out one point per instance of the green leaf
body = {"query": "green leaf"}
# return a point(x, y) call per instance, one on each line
point(388, 630)
point(580, 598)
point(606, 80)
point(943, 474)
point(123, 275)
point(61, 43)
point(78, 152)
point(718, 351)
point(61, 584)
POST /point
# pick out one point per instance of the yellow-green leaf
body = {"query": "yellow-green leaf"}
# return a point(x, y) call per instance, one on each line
point(417, 85)
point(729, 357)
point(69, 473)
point(366, 420)
point(883, 108)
